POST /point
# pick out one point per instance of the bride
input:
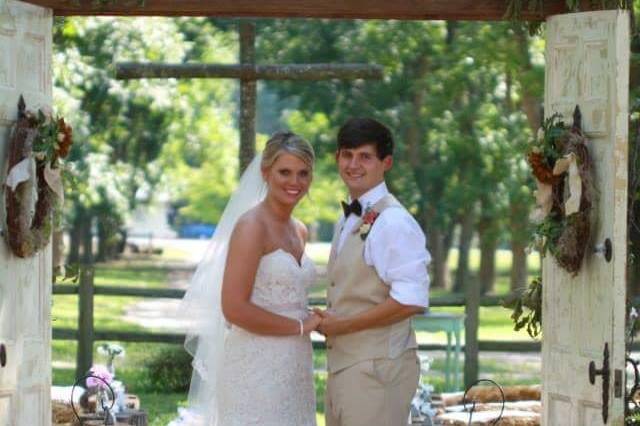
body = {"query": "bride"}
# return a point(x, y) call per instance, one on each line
point(247, 302)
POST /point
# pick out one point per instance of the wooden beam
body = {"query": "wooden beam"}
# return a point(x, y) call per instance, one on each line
point(171, 293)
point(307, 72)
point(471, 326)
point(446, 300)
point(510, 346)
point(482, 10)
point(84, 354)
point(248, 95)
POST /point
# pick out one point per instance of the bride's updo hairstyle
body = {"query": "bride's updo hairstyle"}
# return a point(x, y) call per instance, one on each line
point(287, 142)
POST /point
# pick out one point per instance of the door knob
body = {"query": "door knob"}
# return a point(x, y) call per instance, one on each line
point(3, 355)
point(605, 372)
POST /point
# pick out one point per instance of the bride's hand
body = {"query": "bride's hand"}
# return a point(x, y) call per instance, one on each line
point(311, 323)
point(321, 313)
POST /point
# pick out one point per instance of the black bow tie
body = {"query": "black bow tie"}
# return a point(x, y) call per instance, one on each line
point(355, 207)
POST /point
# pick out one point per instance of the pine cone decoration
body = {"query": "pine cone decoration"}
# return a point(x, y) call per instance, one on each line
point(65, 138)
point(540, 170)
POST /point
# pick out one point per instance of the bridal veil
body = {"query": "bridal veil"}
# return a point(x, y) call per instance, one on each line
point(201, 305)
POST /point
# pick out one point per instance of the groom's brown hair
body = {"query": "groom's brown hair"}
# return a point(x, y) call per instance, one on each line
point(363, 131)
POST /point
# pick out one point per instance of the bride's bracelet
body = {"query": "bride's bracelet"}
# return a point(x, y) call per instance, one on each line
point(301, 327)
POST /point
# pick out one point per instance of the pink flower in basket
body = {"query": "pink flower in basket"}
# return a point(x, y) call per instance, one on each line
point(101, 372)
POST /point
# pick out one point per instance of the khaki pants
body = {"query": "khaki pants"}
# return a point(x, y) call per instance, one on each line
point(375, 392)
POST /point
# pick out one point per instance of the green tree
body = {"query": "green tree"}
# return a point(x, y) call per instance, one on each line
point(442, 82)
point(120, 127)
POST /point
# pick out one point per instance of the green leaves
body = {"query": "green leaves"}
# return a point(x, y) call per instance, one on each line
point(527, 309)
point(140, 138)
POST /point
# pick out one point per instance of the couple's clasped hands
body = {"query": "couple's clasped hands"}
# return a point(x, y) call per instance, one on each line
point(323, 322)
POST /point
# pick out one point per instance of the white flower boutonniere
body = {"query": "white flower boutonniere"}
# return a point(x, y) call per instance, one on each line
point(368, 218)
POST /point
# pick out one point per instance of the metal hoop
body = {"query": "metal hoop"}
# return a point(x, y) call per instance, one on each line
point(473, 403)
point(81, 379)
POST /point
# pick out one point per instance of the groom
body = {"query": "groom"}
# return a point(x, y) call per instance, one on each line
point(378, 281)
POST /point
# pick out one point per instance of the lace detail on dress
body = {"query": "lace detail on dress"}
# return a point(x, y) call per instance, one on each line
point(286, 284)
point(268, 380)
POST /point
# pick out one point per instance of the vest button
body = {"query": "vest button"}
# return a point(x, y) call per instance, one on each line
point(329, 346)
point(333, 284)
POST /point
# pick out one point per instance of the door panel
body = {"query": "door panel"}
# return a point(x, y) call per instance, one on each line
point(25, 284)
point(587, 65)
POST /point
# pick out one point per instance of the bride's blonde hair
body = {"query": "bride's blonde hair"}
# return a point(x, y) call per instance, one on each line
point(289, 142)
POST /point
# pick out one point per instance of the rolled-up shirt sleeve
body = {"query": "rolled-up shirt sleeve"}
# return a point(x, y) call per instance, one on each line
point(396, 248)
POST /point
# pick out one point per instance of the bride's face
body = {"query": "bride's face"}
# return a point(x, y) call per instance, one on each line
point(288, 178)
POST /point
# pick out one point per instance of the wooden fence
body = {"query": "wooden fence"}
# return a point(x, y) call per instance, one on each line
point(86, 334)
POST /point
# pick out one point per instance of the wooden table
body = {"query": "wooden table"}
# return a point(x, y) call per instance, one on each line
point(452, 325)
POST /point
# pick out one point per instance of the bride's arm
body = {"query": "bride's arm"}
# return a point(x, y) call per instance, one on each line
point(245, 251)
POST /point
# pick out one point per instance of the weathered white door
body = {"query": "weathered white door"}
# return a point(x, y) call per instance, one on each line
point(25, 284)
point(588, 65)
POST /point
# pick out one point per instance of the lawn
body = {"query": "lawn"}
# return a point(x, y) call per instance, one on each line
point(155, 271)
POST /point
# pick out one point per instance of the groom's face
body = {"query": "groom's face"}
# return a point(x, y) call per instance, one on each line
point(361, 169)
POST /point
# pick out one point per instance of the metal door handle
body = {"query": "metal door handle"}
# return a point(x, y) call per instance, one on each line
point(3, 355)
point(605, 372)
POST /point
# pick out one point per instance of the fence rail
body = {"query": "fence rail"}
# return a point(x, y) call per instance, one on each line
point(85, 335)
point(449, 300)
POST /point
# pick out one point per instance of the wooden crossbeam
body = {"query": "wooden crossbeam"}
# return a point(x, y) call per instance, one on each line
point(305, 72)
point(248, 73)
point(484, 10)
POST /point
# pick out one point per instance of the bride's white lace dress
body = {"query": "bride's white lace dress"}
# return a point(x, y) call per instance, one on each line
point(268, 380)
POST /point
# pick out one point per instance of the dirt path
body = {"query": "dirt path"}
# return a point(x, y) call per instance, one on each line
point(161, 314)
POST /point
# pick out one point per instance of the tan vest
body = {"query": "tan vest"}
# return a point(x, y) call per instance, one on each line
point(355, 287)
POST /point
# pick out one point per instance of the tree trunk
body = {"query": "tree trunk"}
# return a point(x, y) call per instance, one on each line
point(57, 251)
point(519, 273)
point(87, 241)
point(439, 254)
point(488, 232)
point(487, 273)
point(466, 234)
point(531, 102)
point(102, 254)
point(248, 93)
point(448, 239)
point(74, 242)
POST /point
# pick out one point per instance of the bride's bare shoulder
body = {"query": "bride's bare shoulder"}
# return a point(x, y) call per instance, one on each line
point(251, 225)
point(302, 230)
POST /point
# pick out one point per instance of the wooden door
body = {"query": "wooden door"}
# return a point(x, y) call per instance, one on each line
point(588, 65)
point(25, 284)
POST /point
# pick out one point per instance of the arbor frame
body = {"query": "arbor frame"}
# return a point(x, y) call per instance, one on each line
point(481, 10)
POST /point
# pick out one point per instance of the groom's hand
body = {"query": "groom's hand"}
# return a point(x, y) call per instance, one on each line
point(320, 312)
point(332, 325)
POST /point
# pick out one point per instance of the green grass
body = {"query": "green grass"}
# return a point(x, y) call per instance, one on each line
point(109, 310)
point(153, 272)
point(128, 274)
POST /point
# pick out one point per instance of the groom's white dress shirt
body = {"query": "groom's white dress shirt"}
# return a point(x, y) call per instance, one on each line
point(396, 248)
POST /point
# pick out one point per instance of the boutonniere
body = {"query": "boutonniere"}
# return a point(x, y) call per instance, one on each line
point(368, 218)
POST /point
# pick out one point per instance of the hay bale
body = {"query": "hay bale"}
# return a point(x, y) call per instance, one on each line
point(511, 393)
point(524, 406)
point(62, 414)
point(484, 394)
point(486, 418)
